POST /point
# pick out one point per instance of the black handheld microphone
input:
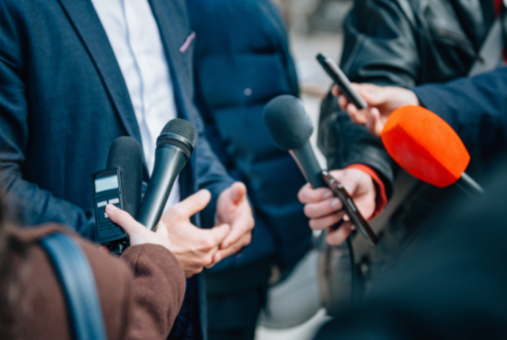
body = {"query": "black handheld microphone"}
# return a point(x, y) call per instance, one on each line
point(290, 128)
point(174, 148)
point(119, 185)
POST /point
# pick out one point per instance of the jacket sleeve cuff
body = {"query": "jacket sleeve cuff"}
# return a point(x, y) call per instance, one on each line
point(381, 199)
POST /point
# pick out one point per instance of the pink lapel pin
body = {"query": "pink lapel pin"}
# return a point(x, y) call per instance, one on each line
point(187, 42)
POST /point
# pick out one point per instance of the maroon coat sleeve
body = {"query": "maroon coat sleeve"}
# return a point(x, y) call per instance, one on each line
point(157, 291)
point(140, 294)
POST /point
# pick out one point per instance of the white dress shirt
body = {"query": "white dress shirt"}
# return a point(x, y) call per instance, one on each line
point(134, 36)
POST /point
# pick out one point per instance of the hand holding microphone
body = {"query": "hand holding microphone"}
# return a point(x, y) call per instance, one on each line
point(193, 247)
point(324, 210)
point(290, 128)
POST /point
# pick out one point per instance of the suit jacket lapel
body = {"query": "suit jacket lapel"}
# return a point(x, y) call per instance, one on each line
point(88, 25)
point(172, 20)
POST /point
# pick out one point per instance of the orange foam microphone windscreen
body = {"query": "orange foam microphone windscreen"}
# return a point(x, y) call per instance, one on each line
point(425, 146)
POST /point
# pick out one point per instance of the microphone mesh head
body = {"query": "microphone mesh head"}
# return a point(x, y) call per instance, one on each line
point(287, 122)
point(180, 128)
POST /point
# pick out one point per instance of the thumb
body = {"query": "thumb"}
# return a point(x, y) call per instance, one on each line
point(371, 125)
point(124, 220)
point(192, 204)
point(219, 233)
point(238, 192)
point(377, 123)
point(162, 229)
point(373, 95)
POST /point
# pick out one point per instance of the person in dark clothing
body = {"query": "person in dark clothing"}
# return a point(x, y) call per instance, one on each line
point(241, 62)
point(450, 286)
point(399, 43)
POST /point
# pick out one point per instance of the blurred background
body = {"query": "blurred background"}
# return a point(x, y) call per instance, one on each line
point(314, 26)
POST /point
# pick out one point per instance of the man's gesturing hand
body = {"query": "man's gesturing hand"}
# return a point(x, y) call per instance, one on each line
point(234, 210)
point(382, 101)
point(193, 247)
point(324, 210)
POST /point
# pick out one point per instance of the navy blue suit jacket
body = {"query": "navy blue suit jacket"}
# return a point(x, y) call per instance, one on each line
point(63, 101)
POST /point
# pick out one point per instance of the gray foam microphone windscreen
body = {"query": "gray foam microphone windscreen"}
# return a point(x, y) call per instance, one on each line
point(126, 154)
point(287, 122)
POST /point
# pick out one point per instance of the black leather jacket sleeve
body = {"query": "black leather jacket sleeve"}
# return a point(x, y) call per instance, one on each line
point(380, 44)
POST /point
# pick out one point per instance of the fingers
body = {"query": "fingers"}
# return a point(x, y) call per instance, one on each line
point(191, 205)
point(104, 249)
point(372, 94)
point(217, 235)
point(124, 220)
point(339, 236)
point(324, 208)
point(327, 221)
point(238, 192)
point(375, 125)
point(242, 225)
point(343, 101)
point(162, 230)
point(233, 249)
point(308, 194)
point(335, 91)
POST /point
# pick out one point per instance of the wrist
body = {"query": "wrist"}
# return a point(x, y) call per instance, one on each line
point(381, 197)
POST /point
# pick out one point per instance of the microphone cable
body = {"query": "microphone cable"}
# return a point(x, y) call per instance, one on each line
point(353, 267)
point(353, 270)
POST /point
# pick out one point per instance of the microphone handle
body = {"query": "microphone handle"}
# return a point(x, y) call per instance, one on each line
point(469, 185)
point(310, 167)
point(169, 160)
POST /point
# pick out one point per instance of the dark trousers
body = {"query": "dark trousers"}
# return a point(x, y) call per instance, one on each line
point(235, 300)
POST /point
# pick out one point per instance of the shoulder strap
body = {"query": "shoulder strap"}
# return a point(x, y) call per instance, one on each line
point(78, 283)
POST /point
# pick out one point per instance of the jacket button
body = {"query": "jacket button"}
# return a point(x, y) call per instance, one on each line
point(248, 91)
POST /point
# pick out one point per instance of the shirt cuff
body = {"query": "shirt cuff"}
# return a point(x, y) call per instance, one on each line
point(381, 199)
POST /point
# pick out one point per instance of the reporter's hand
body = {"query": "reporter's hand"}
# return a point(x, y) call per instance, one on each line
point(382, 101)
point(234, 210)
point(193, 247)
point(138, 233)
point(324, 210)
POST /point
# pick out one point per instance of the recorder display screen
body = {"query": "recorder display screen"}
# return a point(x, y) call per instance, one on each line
point(106, 183)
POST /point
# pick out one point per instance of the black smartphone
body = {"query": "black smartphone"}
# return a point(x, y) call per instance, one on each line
point(108, 189)
point(350, 208)
point(341, 80)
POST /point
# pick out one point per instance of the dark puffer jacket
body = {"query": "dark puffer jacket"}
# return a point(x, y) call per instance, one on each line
point(242, 61)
